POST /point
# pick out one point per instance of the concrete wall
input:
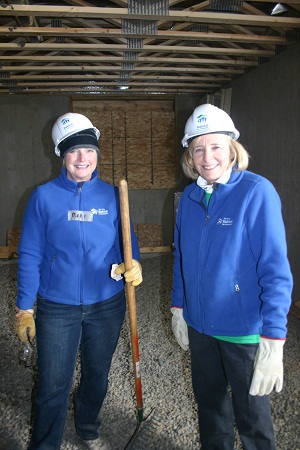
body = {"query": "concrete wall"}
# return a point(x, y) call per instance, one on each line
point(27, 156)
point(266, 110)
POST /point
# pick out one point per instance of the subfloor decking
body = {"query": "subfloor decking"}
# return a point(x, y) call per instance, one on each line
point(165, 372)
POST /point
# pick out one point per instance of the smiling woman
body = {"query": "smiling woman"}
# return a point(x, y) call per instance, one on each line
point(73, 276)
point(211, 156)
point(76, 141)
point(232, 284)
point(80, 163)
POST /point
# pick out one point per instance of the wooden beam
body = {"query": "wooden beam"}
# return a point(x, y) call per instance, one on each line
point(161, 34)
point(132, 84)
point(71, 91)
point(119, 59)
point(173, 16)
point(8, 252)
point(13, 46)
point(81, 68)
point(144, 77)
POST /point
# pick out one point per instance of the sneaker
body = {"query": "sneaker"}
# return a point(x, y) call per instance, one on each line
point(96, 444)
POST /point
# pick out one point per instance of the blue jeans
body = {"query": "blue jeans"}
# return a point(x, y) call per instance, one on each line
point(61, 331)
point(216, 365)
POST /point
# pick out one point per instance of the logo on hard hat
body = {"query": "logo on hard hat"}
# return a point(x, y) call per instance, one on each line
point(201, 122)
point(66, 123)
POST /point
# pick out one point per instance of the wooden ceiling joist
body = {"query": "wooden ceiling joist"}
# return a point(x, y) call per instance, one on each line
point(50, 48)
point(63, 12)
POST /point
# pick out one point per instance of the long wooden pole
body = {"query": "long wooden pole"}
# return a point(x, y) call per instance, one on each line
point(130, 291)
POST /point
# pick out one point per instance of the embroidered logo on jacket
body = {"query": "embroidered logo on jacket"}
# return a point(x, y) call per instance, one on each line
point(225, 221)
point(100, 211)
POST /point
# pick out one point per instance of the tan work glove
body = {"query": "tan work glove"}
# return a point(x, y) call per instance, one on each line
point(268, 367)
point(25, 325)
point(134, 274)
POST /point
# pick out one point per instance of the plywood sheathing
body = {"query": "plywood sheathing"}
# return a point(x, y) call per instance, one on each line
point(13, 236)
point(149, 234)
point(137, 142)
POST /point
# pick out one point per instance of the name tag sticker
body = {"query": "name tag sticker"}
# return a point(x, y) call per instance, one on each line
point(82, 216)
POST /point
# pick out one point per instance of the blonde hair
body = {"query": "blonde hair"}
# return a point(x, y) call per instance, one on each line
point(239, 157)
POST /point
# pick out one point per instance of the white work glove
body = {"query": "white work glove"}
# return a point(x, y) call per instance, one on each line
point(180, 328)
point(268, 367)
point(133, 275)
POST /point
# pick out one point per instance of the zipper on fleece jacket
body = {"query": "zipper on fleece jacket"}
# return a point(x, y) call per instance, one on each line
point(202, 245)
point(204, 205)
point(81, 241)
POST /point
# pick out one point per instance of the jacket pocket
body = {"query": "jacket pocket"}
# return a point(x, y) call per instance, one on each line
point(223, 310)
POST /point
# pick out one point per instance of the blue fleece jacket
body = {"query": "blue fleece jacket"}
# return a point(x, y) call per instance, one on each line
point(231, 272)
point(71, 236)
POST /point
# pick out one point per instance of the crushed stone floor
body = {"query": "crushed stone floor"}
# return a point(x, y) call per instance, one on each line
point(165, 374)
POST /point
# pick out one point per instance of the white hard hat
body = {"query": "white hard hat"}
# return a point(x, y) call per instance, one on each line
point(208, 119)
point(73, 125)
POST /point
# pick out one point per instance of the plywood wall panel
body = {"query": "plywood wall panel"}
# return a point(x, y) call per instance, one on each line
point(163, 124)
point(163, 175)
point(138, 124)
point(119, 173)
point(105, 124)
point(149, 234)
point(119, 150)
point(139, 151)
point(106, 151)
point(137, 134)
point(123, 105)
point(13, 236)
point(163, 150)
point(118, 124)
point(106, 172)
point(139, 176)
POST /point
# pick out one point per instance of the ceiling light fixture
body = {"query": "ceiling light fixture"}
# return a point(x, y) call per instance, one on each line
point(122, 88)
point(278, 9)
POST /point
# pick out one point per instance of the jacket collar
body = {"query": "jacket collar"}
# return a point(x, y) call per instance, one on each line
point(72, 185)
point(196, 192)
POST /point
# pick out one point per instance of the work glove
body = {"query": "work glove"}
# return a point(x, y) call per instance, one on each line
point(180, 328)
point(268, 367)
point(133, 275)
point(25, 325)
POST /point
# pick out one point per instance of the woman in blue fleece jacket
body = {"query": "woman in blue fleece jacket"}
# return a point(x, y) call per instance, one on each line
point(232, 284)
point(70, 260)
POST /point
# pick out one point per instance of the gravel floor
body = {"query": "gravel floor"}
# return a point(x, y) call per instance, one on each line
point(166, 381)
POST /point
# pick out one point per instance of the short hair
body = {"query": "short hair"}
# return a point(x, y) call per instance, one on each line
point(239, 154)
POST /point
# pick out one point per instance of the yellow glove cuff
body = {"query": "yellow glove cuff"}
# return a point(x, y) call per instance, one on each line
point(25, 325)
